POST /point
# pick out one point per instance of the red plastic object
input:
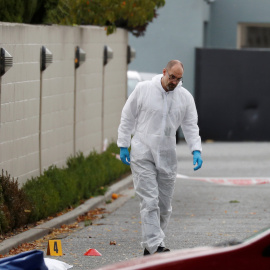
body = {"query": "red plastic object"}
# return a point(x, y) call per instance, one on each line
point(253, 253)
point(92, 252)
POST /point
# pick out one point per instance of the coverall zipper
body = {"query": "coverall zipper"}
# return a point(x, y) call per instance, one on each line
point(163, 124)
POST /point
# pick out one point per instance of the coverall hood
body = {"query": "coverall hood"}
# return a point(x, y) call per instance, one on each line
point(157, 82)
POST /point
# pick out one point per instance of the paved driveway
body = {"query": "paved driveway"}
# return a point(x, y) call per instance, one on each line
point(203, 213)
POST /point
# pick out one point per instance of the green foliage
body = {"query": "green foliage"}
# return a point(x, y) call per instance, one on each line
point(133, 15)
point(12, 10)
point(58, 188)
point(14, 206)
point(43, 10)
point(113, 148)
point(30, 8)
point(83, 177)
point(234, 201)
point(61, 13)
point(26, 11)
point(3, 220)
point(43, 197)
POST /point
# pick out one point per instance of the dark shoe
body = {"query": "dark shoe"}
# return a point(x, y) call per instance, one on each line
point(162, 249)
point(146, 252)
point(159, 250)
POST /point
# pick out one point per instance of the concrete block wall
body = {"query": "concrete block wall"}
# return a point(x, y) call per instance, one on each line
point(115, 82)
point(19, 131)
point(64, 103)
point(57, 97)
point(89, 91)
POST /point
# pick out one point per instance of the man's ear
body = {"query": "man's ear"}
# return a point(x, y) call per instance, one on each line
point(164, 71)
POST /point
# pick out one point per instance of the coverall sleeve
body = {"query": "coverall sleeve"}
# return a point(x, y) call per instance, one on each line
point(190, 126)
point(128, 119)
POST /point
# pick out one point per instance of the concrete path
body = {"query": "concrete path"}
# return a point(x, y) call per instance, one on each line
point(204, 213)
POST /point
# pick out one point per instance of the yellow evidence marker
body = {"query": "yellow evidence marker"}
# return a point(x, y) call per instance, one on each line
point(54, 248)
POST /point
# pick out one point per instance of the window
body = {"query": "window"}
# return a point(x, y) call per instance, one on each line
point(254, 36)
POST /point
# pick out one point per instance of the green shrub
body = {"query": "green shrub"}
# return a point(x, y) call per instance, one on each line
point(3, 220)
point(27, 11)
point(58, 188)
point(134, 16)
point(43, 196)
point(11, 11)
point(65, 185)
point(14, 205)
point(83, 177)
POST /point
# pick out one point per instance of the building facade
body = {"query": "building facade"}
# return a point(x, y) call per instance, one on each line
point(184, 25)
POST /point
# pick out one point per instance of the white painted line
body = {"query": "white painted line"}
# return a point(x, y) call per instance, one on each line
point(230, 181)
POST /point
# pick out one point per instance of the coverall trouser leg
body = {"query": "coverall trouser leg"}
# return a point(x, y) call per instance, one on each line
point(155, 191)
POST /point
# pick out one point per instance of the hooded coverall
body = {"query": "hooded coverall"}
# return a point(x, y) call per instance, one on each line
point(153, 116)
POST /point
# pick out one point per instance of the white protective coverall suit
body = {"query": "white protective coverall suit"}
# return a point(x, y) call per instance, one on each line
point(154, 115)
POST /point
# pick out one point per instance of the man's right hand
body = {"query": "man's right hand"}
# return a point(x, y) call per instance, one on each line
point(124, 155)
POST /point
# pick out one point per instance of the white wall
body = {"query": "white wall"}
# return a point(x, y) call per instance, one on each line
point(20, 118)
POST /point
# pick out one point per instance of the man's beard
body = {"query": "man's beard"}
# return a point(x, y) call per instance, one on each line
point(171, 87)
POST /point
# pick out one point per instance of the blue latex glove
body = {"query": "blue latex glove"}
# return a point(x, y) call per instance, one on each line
point(124, 155)
point(197, 159)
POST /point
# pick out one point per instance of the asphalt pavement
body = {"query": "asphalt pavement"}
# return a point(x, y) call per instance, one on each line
point(204, 213)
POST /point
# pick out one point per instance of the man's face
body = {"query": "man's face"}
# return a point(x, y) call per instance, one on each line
point(172, 77)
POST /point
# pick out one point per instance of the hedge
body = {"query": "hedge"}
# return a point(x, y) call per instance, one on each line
point(58, 188)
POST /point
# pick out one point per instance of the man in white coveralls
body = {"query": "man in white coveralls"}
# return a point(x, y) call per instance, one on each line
point(153, 112)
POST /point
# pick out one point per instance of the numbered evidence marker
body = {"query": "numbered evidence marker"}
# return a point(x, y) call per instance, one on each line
point(54, 248)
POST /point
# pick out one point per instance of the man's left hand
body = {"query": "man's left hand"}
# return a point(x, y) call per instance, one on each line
point(197, 159)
